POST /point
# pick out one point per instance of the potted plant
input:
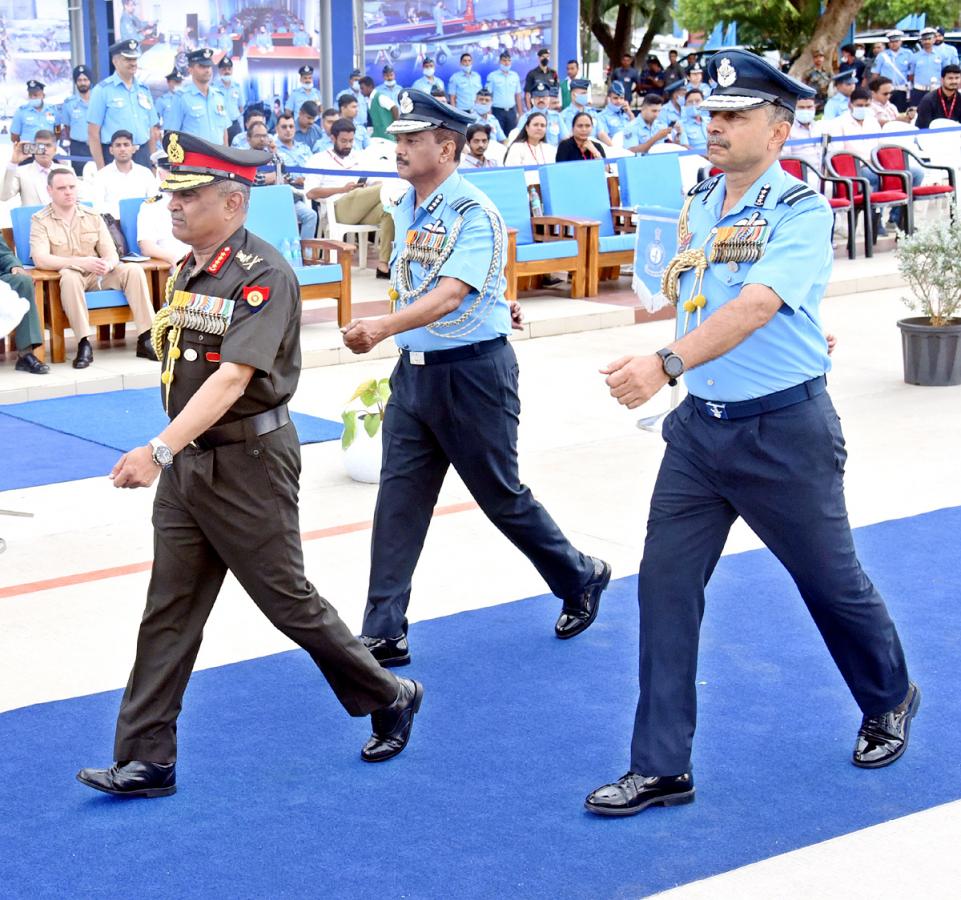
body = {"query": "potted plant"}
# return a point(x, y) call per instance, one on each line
point(362, 440)
point(930, 261)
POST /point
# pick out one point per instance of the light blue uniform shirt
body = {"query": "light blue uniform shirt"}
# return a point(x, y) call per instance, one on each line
point(362, 105)
point(301, 38)
point(504, 88)
point(836, 106)
point(27, 121)
point(294, 156)
point(489, 119)
point(464, 88)
point(393, 91)
point(205, 117)
point(114, 107)
point(240, 141)
point(164, 102)
point(299, 95)
point(948, 53)
point(557, 129)
point(73, 115)
point(426, 84)
point(889, 64)
point(325, 142)
point(225, 42)
point(614, 120)
point(793, 224)
point(469, 262)
point(694, 132)
point(925, 69)
point(669, 114)
point(705, 89)
point(567, 115)
point(639, 131)
point(235, 99)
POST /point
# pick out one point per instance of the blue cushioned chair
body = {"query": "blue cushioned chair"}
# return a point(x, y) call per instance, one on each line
point(105, 307)
point(580, 188)
point(157, 270)
point(535, 245)
point(652, 180)
point(272, 218)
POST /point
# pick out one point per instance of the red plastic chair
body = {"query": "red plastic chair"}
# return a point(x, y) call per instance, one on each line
point(801, 170)
point(896, 159)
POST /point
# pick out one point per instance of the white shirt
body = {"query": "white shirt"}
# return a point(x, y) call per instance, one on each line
point(847, 126)
point(810, 153)
point(110, 186)
point(153, 222)
point(29, 182)
point(470, 162)
point(327, 159)
point(521, 153)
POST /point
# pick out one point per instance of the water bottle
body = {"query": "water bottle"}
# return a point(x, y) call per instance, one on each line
point(294, 257)
point(535, 200)
point(285, 249)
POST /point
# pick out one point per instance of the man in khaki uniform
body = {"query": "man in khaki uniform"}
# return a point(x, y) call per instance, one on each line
point(74, 241)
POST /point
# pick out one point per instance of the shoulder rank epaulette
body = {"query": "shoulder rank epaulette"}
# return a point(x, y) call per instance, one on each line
point(796, 194)
point(706, 185)
point(464, 205)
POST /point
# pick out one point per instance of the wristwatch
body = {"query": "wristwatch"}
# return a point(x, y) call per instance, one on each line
point(162, 455)
point(672, 364)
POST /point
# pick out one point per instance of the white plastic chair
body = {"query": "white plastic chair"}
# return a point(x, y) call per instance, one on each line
point(496, 151)
point(337, 231)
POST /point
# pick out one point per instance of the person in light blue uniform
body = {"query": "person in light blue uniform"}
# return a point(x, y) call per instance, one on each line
point(264, 40)
point(839, 102)
point(462, 86)
point(163, 103)
point(924, 70)
point(581, 102)
point(557, 127)
point(224, 40)
point(695, 79)
point(301, 38)
point(676, 94)
point(894, 62)
point(389, 85)
point(304, 91)
point(484, 111)
point(348, 108)
point(73, 117)
point(694, 122)
point(755, 437)
point(34, 115)
point(235, 94)
point(616, 117)
point(201, 108)
point(429, 79)
point(945, 50)
point(121, 102)
point(353, 86)
point(506, 95)
point(454, 399)
point(647, 129)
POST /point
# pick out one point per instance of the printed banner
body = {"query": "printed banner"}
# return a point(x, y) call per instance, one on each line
point(655, 247)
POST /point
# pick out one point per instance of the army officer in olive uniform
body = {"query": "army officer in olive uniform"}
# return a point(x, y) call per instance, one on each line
point(229, 463)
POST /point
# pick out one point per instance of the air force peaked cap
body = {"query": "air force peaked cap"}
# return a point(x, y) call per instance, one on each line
point(128, 48)
point(194, 162)
point(746, 81)
point(421, 112)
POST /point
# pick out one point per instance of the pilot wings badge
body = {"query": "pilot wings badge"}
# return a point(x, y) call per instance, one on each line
point(726, 73)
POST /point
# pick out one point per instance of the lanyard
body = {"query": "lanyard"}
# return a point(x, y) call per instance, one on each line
point(948, 113)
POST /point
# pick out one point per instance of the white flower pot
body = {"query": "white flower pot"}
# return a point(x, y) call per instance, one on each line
point(362, 458)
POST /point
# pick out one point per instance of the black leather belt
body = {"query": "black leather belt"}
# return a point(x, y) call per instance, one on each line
point(741, 409)
point(236, 432)
point(433, 357)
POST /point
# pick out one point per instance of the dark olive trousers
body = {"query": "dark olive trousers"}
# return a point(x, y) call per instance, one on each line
point(232, 507)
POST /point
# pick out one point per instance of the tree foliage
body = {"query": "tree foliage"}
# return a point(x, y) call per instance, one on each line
point(885, 13)
point(613, 24)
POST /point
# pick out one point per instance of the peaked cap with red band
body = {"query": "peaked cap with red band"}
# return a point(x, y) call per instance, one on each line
point(194, 162)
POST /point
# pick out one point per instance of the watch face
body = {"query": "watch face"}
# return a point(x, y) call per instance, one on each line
point(163, 457)
point(673, 366)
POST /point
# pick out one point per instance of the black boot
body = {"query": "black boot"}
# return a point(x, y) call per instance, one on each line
point(145, 347)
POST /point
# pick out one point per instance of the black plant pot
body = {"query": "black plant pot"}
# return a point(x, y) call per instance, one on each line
point(932, 355)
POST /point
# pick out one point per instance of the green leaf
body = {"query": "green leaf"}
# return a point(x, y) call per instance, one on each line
point(364, 388)
point(372, 423)
point(350, 428)
point(383, 389)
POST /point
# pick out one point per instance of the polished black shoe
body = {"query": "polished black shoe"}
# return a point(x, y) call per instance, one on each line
point(29, 363)
point(84, 354)
point(382, 274)
point(391, 725)
point(132, 779)
point(578, 614)
point(634, 793)
point(389, 652)
point(883, 739)
point(145, 347)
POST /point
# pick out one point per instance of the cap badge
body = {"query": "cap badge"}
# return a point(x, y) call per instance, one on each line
point(406, 104)
point(726, 73)
point(131, 45)
point(175, 153)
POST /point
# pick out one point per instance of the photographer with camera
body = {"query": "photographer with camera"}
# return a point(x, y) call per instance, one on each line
point(26, 173)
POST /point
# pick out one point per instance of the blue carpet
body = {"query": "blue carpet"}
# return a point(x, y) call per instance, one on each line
point(516, 729)
point(120, 420)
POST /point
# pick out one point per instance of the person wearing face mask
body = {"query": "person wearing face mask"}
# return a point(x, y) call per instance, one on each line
point(464, 85)
point(850, 62)
point(581, 103)
point(541, 73)
point(389, 85)
point(163, 103)
point(484, 110)
point(844, 84)
point(236, 100)
point(429, 80)
point(33, 115)
point(674, 108)
point(617, 115)
point(694, 122)
point(73, 117)
point(304, 91)
point(353, 85)
point(924, 70)
point(805, 129)
point(505, 87)
point(541, 98)
point(201, 108)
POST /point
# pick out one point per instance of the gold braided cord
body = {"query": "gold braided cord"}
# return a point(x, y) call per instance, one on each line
point(679, 264)
point(159, 329)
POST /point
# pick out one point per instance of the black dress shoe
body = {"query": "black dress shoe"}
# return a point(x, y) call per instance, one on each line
point(882, 739)
point(389, 652)
point(634, 793)
point(84, 354)
point(578, 614)
point(391, 725)
point(132, 779)
point(145, 347)
point(382, 274)
point(29, 363)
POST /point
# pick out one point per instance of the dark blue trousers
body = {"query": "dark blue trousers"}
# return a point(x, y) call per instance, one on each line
point(782, 472)
point(464, 414)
